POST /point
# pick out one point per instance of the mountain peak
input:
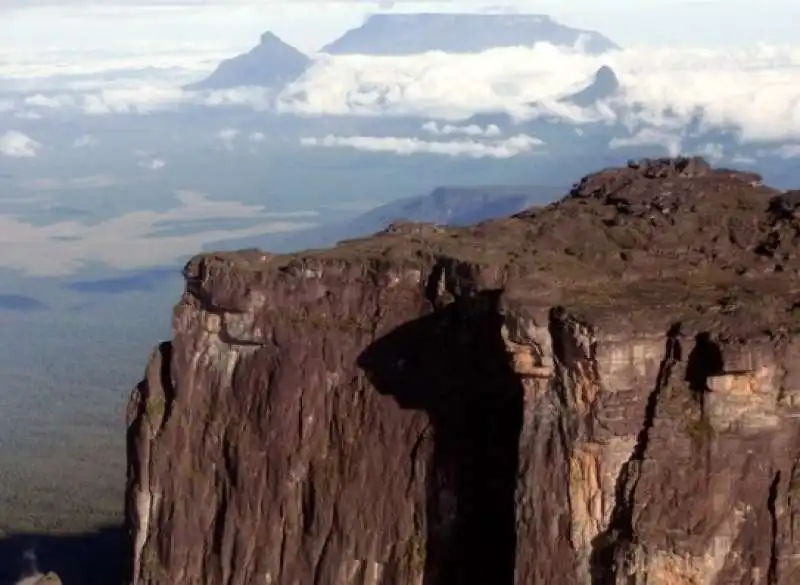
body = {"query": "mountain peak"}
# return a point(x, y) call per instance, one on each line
point(271, 63)
point(270, 38)
point(408, 34)
point(604, 85)
point(606, 76)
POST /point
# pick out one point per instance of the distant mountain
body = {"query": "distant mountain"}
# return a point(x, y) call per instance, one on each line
point(272, 63)
point(140, 280)
point(443, 206)
point(407, 34)
point(20, 303)
point(604, 85)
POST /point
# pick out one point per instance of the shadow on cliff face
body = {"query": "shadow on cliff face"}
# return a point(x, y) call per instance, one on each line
point(704, 360)
point(452, 364)
point(93, 558)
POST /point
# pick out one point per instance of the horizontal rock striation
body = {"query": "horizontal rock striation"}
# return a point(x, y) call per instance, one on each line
point(603, 391)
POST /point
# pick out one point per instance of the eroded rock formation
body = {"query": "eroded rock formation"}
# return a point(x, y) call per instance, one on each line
point(603, 391)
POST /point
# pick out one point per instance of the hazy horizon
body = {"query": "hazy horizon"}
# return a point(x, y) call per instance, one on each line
point(237, 24)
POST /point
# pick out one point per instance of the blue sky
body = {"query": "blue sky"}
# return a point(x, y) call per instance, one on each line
point(234, 24)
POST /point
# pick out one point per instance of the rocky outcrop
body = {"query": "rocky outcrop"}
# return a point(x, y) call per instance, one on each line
point(603, 391)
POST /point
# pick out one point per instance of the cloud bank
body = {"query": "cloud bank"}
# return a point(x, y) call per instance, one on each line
point(489, 131)
point(134, 240)
point(507, 148)
point(82, 183)
point(755, 91)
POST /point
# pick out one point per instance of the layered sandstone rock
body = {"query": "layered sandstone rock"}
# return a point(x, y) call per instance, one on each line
point(604, 391)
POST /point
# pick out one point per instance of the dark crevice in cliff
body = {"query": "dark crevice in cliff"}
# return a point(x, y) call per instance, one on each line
point(218, 531)
point(226, 337)
point(414, 454)
point(309, 504)
point(452, 364)
point(165, 377)
point(230, 460)
point(704, 360)
point(435, 284)
point(772, 572)
point(556, 327)
point(620, 529)
point(672, 353)
point(319, 563)
point(563, 344)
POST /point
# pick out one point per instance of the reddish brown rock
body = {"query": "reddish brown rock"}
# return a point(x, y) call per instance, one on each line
point(603, 391)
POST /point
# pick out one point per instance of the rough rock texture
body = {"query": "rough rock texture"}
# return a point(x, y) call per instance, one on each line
point(603, 391)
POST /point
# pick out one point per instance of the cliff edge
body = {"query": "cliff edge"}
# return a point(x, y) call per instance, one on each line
point(601, 391)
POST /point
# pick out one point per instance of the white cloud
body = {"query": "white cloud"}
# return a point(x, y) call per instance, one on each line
point(713, 151)
point(56, 184)
point(489, 131)
point(64, 66)
point(258, 98)
point(135, 97)
point(743, 160)
point(449, 87)
point(84, 141)
point(132, 240)
point(153, 164)
point(23, 115)
point(139, 98)
point(227, 136)
point(42, 101)
point(651, 137)
point(18, 145)
point(256, 137)
point(507, 148)
point(788, 151)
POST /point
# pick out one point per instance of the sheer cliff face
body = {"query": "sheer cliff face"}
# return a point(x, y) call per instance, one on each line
point(600, 392)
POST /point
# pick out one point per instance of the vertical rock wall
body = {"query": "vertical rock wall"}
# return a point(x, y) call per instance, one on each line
point(602, 392)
